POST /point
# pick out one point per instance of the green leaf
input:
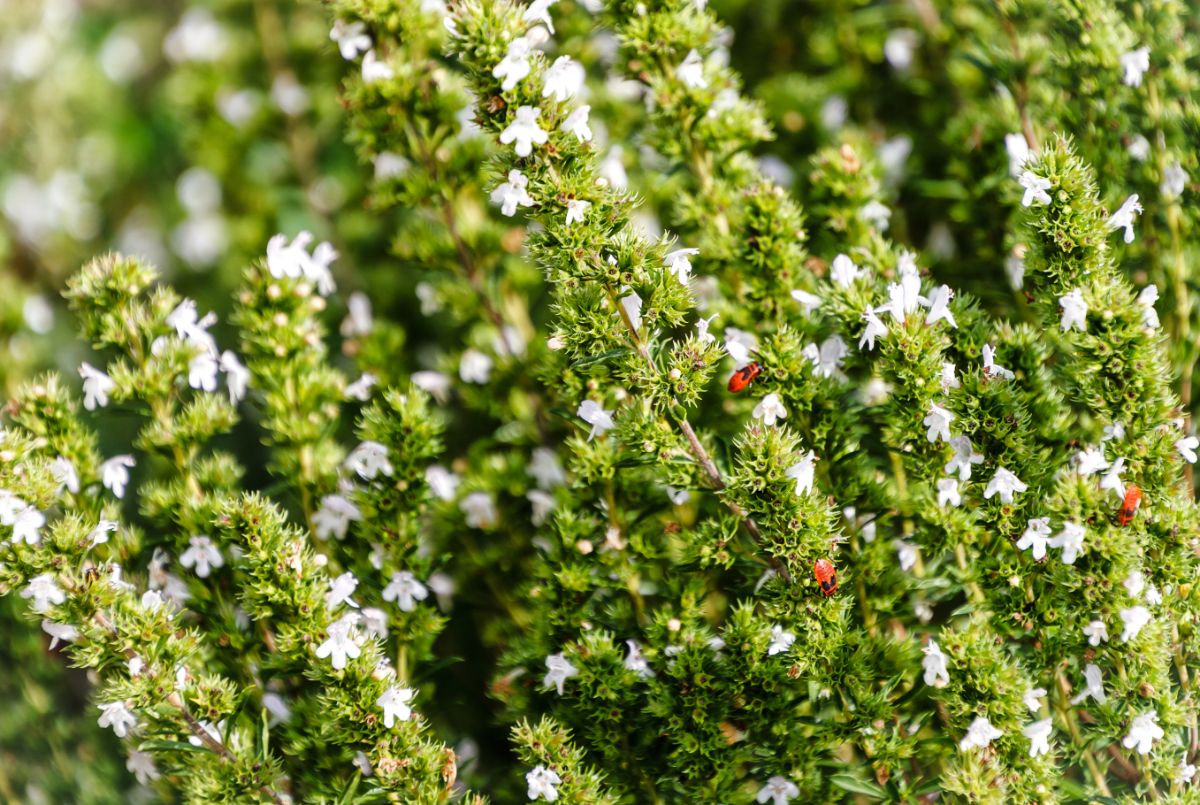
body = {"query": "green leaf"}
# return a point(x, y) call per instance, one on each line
point(848, 782)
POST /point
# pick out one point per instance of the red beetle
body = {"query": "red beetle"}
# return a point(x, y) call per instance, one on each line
point(744, 377)
point(826, 575)
point(1133, 499)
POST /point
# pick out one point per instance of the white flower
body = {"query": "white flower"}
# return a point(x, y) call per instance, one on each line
point(1036, 537)
point(1090, 461)
point(979, 734)
point(474, 366)
point(808, 302)
point(691, 71)
point(64, 473)
point(770, 410)
point(375, 69)
point(352, 38)
point(1135, 582)
point(442, 482)
point(479, 510)
point(739, 344)
point(1187, 773)
point(96, 386)
point(546, 469)
point(1134, 619)
point(1135, 63)
point(368, 460)
point(1035, 189)
point(405, 590)
point(947, 492)
point(592, 413)
point(635, 661)
point(906, 554)
point(934, 664)
point(99, 534)
point(843, 271)
point(25, 522)
point(938, 422)
point(539, 11)
point(632, 304)
point(1174, 181)
point(1123, 218)
point(340, 645)
point(141, 766)
point(524, 131)
point(1139, 148)
point(361, 389)
point(152, 600)
point(292, 260)
point(677, 263)
point(1096, 632)
point(989, 364)
point(203, 555)
point(542, 503)
point(212, 730)
point(358, 321)
point(541, 782)
point(202, 372)
point(875, 327)
point(237, 376)
point(1187, 448)
point(394, 703)
point(802, 472)
point(1070, 539)
point(827, 361)
point(939, 306)
point(964, 457)
point(1018, 153)
point(558, 670)
point(340, 590)
point(1115, 431)
point(1005, 484)
point(781, 640)
point(576, 209)
point(1033, 699)
point(1143, 732)
point(778, 791)
point(114, 473)
point(117, 716)
point(1014, 270)
point(334, 516)
point(577, 124)
point(1038, 734)
point(1074, 311)
point(563, 79)
point(43, 592)
point(1112, 478)
point(59, 631)
point(512, 194)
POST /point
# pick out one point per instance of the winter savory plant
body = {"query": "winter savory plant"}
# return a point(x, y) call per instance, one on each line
point(707, 484)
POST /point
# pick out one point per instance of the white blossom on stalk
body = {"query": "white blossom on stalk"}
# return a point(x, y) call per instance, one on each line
point(947, 492)
point(1187, 448)
point(939, 307)
point(1139, 148)
point(843, 271)
point(405, 590)
point(334, 516)
point(513, 68)
point(770, 410)
point(1018, 153)
point(594, 414)
point(43, 592)
point(141, 766)
point(361, 389)
point(358, 321)
point(1135, 63)
point(1070, 540)
point(203, 555)
point(558, 670)
point(989, 364)
point(1005, 484)
point(542, 504)
point(351, 37)
point(202, 372)
point(739, 344)
point(1135, 582)
point(1038, 734)
point(436, 384)
point(1096, 632)
point(1074, 311)
point(1036, 537)
point(576, 210)
point(292, 260)
point(474, 366)
point(781, 640)
point(394, 703)
point(1143, 732)
point(26, 524)
point(1090, 461)
point(191, 327)
point(237, 376)
point(1115, 431)
point(802, 472)
point(938, 422)
point(114, 474)
point(368, 460)
point(1035, 189)
point(563, 79)
point(1134, 618)
point(375, 622)
point(636, 661)
point(542, 783)
point(631, 303)
point(964, 457)
point(341, 645)
point(1174, 181)
point(442, 482)
point(99, 534)
point(827, 360)
point(1124, 217)
point(1033, 699)
point(479, 510)
point(877, 214)
point(906, 554)
point(118, 716)
point(778, 791)
point(934, 664)
point(577, 123)
point(539, 11)
point(979, 735)
point(546, 469)
point(677, 263)
point(1112, 478)
point(524, 131)
point(340, 591)
point(96, 386)
point(59, 631)
point(1186, 773)
point(875, 327)
point(512, 194)
point(808, 302)
point(691, 71)
point(64, 473)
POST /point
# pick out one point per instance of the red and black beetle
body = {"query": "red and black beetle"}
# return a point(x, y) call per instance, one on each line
point(826, 575)
point(744, 377)
point(1133, 498)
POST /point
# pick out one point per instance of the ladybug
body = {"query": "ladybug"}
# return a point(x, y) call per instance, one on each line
point(1133, 499)
point(744, 377)
point(826, 575)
